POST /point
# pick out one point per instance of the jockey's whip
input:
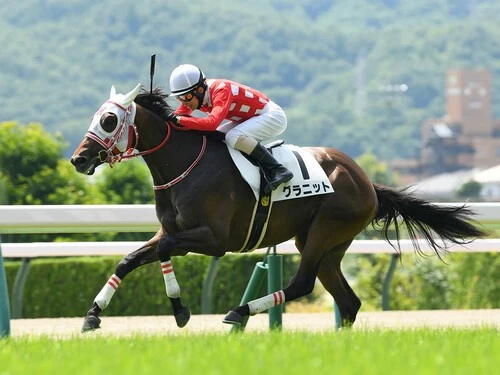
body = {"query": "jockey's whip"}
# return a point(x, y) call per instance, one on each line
point(152, 72)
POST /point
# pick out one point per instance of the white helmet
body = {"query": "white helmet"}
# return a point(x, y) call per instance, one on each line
point(185, 78)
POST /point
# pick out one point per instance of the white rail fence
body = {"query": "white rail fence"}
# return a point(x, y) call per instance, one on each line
point(65, 249)
point(123, 217)
point(142, 218)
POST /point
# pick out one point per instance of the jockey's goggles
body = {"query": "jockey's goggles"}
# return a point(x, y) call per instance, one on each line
point(186, 98)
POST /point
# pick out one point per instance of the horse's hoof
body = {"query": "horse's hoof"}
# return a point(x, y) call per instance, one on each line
point(346, 324)
point(90, 323)
point(232, 317)
point(182, 317)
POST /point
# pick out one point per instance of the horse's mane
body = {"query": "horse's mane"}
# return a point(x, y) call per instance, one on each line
point(156, 102)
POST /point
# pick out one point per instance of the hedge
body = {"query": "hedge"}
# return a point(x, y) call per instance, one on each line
point(465, 281)
point(66, 287)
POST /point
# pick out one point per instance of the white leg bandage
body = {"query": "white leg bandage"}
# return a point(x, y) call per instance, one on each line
point(265, 303)
point(171, 285)
point(107, 292)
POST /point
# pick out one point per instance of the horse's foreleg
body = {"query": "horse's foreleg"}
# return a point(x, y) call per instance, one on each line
point(181, 313)
point(137, 258)
point(164, 251)
point(199, 240)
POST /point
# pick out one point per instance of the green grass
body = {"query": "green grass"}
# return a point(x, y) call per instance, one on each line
point(419, 351)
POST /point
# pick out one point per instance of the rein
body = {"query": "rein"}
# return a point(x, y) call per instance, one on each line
point(186, 172)
point(129, 153)
point(189, 169)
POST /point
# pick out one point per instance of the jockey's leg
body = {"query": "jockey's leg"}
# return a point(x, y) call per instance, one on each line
point(246, 136)
point(275, 172)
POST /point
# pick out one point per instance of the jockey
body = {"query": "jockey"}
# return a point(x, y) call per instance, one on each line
point(250, 116)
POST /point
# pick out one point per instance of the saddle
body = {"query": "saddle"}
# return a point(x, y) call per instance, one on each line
point(309, 179)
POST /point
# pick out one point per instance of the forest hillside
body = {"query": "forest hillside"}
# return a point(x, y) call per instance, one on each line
point(328, 63)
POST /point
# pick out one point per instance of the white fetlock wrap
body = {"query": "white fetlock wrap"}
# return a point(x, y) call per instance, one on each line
point(107, 292)
point(265, 303)
point(171, 285)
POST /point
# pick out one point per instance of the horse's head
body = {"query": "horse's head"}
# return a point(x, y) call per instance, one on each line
point(110, 132)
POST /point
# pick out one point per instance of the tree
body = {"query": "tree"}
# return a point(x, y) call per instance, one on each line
point(3, 189)
point(127, 183)
point(24, 149)
point(63, 185)
point(34, 171)
point(470, 189)
point(376, 170)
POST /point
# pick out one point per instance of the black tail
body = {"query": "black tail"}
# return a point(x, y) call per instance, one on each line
point(422, 218)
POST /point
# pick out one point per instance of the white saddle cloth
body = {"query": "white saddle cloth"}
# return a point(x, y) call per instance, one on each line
point(308, 179)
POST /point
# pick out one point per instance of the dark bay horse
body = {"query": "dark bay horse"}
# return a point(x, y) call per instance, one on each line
point(204, 206)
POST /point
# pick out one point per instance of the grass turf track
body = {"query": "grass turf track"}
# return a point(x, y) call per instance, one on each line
point(378, 351)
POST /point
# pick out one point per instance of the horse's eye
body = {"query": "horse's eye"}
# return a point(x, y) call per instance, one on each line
point(109, 122)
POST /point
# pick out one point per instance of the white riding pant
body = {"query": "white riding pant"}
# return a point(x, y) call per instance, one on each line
point(270, 123)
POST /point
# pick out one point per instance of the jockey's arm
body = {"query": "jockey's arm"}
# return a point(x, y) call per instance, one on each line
point(221, 101)
point(183, 111)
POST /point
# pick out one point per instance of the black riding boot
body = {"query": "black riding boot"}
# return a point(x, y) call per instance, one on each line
point(275, 172)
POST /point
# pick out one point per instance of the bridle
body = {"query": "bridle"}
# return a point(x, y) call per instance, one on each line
point(111, 153)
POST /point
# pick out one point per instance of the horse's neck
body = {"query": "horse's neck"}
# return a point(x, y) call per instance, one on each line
point(176, 155)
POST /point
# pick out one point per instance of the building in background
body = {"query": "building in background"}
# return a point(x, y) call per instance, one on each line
point(467, 137)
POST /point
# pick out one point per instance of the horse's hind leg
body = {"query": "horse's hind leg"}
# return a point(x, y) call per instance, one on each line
point(300, 285)
point(330, 275)
point(144, 255)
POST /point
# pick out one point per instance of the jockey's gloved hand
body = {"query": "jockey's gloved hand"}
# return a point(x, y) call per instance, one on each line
point(173, 118)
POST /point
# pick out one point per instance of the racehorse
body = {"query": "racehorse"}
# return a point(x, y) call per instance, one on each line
point(204, 206)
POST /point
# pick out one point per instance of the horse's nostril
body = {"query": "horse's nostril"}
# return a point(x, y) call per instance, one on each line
point(80, 160)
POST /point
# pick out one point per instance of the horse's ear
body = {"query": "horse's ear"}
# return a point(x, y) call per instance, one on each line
point(112, 92)
point(129, 98)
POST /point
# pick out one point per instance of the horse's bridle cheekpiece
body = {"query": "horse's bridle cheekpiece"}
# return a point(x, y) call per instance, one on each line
point(116, 146)
point(118, 143)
